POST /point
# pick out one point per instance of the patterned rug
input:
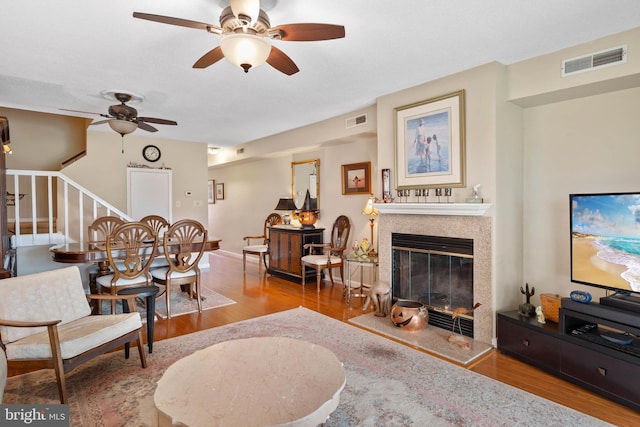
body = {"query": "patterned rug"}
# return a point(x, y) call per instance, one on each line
point(388, 384)
point(180, 303)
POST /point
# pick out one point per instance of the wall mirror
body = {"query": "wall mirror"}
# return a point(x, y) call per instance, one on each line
point(305, 176)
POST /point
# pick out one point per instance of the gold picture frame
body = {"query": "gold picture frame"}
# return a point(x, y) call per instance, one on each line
point(430, 143)
point(356, 178)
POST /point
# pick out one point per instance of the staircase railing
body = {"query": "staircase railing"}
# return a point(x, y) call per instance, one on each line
point(59, 211)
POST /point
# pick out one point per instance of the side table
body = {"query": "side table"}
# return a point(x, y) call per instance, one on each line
point(355, 264)
point(149, 293)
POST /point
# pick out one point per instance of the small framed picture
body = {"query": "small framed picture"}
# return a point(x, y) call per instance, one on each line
point(356, 178)
point(386, 184)
point(220, 191)
point(211, 198)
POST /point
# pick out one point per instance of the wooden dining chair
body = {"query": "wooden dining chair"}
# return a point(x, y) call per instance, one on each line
point(160, 226)
point(182, 267)
point(332, 252)
point(157, 223)
point(102, 227)
point(261, 249)
point(98, 231)
point(131, 248)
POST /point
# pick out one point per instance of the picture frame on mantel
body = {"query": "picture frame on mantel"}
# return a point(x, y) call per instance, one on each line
point(430, 143)
point(211, 198)
point(356, 178)
point(220, 191)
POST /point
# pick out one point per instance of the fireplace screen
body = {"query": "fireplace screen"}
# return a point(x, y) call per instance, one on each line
point(436, 271)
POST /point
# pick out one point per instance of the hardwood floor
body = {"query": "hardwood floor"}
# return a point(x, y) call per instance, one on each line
point(260, 294)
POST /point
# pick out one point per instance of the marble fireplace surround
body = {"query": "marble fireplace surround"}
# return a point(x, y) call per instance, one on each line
point(461, 220)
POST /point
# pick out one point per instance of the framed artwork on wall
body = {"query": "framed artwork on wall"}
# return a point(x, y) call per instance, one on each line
point(386, 184)
point(430, 143)
point(356, 178)
point(220, 191)
point(211, 192)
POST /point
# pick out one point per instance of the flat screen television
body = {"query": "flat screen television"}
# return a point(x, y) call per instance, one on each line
point(605, 242)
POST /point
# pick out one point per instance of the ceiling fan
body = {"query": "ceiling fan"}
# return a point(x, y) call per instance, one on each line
point(124, 119)
point(244, 30)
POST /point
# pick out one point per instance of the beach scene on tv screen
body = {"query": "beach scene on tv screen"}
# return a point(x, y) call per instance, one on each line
point(605, 240)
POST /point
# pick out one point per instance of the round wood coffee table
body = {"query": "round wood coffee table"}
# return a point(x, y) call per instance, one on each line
point(251, 382)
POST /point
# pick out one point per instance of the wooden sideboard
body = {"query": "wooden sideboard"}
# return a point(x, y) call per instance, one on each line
point(286, 247)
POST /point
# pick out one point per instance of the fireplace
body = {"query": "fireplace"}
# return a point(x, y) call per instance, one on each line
point(438, 272)
point(419, 219)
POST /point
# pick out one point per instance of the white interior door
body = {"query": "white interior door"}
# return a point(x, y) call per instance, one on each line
point(149, 193)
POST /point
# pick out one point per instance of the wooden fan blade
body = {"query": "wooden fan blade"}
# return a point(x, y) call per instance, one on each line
point(178, 21)
point(84, 112)
point(148, 128)
point(158, 121)
point(309, 32)
point(99, 122)
point(209, 58)
point(281, 62)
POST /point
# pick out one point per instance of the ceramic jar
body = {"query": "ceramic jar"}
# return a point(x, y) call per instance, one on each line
point(409, 315)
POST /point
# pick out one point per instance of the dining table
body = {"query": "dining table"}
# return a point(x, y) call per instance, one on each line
point(96, 253)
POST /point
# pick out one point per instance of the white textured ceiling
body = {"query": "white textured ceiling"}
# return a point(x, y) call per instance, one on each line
point(62, 54)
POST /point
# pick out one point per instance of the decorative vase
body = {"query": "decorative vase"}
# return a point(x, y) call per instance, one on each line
point(409, 315)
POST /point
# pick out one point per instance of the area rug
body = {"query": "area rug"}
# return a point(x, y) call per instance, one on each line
point(432, 339)
point(180, 303)
point(388, 384)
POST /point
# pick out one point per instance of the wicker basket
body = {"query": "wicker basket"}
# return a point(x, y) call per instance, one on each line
point(550, 306)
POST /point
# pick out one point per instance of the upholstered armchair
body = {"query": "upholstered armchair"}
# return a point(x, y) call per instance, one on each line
point(46, 322)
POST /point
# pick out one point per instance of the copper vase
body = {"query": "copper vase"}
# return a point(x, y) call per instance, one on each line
point(409, 315)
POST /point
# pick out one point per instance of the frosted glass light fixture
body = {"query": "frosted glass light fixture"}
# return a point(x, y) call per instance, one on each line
point(123, 127)
point(245, 50)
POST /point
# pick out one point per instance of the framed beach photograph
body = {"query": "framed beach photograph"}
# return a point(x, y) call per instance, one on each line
point(220, 191)
point(430, 143)
point(356, 178)
point(210, 192)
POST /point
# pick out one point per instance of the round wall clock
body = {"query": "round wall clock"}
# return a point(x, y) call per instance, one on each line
point(151, 153)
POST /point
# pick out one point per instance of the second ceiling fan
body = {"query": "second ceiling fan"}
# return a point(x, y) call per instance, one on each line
point(244, 30)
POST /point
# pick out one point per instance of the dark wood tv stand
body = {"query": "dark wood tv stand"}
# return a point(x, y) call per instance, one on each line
point(598, 366)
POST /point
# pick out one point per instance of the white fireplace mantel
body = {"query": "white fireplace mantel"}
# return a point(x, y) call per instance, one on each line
point(460, 209)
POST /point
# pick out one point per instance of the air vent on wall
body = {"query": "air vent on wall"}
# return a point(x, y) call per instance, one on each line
point(593, 61)
point(356, 121)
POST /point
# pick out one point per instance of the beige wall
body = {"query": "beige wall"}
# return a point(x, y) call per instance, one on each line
point(252, 190)
point(579, 146)
point(104, 170)
point(43, 141)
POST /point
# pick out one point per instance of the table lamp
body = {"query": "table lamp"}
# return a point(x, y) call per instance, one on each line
point(308, 212)
point(286, 205)
point(370, 210)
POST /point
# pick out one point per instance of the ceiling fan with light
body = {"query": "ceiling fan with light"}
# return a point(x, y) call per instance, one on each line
point(245, 30)
point(123, 118)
